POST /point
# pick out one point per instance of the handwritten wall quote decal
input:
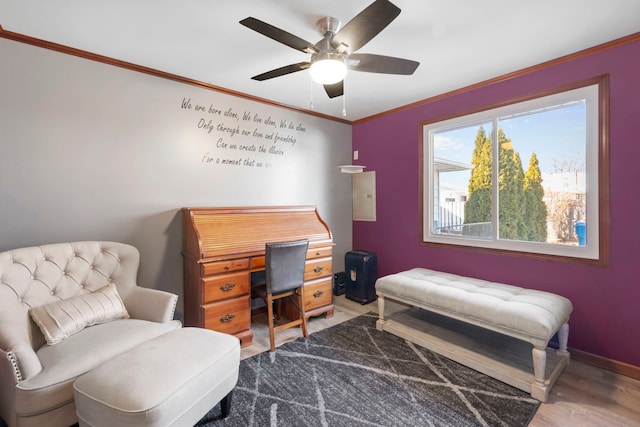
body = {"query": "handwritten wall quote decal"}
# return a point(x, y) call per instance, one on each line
point(243, 139)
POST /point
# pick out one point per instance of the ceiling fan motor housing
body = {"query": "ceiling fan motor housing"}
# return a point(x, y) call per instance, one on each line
point(328, 66)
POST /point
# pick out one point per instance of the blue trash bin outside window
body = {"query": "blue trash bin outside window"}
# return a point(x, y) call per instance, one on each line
point(581, 232)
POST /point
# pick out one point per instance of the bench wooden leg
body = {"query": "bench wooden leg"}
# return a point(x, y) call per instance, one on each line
point(539, 389)
point(563, 339)
point(539, 364)
point(381, 320)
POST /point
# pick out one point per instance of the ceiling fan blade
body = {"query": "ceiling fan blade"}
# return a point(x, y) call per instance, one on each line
point(287, 69)
point(279, 35)
point(334, 90)
point(365, 26)
point(381, 64)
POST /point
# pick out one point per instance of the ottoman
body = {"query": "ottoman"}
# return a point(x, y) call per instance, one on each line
point(172, 380)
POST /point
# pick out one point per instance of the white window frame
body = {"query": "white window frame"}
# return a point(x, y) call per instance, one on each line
point(594, 148)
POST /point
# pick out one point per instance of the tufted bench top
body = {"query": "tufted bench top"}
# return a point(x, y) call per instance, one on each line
point(527, 314)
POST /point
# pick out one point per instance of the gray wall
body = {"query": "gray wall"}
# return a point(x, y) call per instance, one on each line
point(90, 151)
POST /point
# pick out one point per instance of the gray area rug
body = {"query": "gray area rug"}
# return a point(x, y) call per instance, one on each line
point(354, 375)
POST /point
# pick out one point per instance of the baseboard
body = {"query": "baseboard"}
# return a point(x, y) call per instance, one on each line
point(618, 367)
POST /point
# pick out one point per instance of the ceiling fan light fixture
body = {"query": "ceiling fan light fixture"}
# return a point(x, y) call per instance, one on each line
point(328, 68)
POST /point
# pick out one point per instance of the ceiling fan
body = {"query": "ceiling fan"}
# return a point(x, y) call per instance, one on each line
point(331, 56)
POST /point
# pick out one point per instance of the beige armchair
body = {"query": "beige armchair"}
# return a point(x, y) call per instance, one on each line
point(90, 310)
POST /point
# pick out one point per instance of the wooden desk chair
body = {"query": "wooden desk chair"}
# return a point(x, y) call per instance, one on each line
point(284, 278)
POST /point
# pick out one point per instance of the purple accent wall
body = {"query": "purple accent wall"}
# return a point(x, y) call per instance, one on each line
point(606, 316)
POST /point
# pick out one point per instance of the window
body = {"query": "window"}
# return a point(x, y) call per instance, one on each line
point(525, 176)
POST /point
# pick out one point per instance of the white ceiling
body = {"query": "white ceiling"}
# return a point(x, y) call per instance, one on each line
point(457, 42)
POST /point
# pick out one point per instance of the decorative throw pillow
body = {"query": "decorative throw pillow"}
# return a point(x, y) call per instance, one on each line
point(63, 318)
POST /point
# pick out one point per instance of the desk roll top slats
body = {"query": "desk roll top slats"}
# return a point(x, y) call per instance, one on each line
point(222, 246)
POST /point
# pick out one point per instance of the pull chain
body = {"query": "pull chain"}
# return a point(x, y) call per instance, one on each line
point(344, 99)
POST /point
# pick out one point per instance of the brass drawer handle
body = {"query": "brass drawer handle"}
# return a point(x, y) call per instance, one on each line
point(227, 318)
point(226, 267)
point(318, 294)
point(227, 287)
point(318, 269)
point(317, 253)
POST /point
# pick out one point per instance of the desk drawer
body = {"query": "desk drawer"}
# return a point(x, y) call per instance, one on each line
point(225, 286)
point(258, 262)
point(228, 316)
point(210, 268)
point(317, 294)
point(314, 269)
point(319, 253)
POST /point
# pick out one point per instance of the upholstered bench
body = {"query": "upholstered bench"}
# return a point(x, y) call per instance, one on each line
point(486, 314)
point(172, 380)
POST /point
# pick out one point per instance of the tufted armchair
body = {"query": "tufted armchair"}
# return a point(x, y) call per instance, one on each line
point(36, 377)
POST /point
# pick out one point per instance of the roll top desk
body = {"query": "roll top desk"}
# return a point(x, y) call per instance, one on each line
point(223, 246)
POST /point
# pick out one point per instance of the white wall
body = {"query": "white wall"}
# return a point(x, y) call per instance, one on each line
point(90, 151)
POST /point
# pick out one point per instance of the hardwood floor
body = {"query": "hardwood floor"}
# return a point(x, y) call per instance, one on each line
point(589, 396)
point(584, 396)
